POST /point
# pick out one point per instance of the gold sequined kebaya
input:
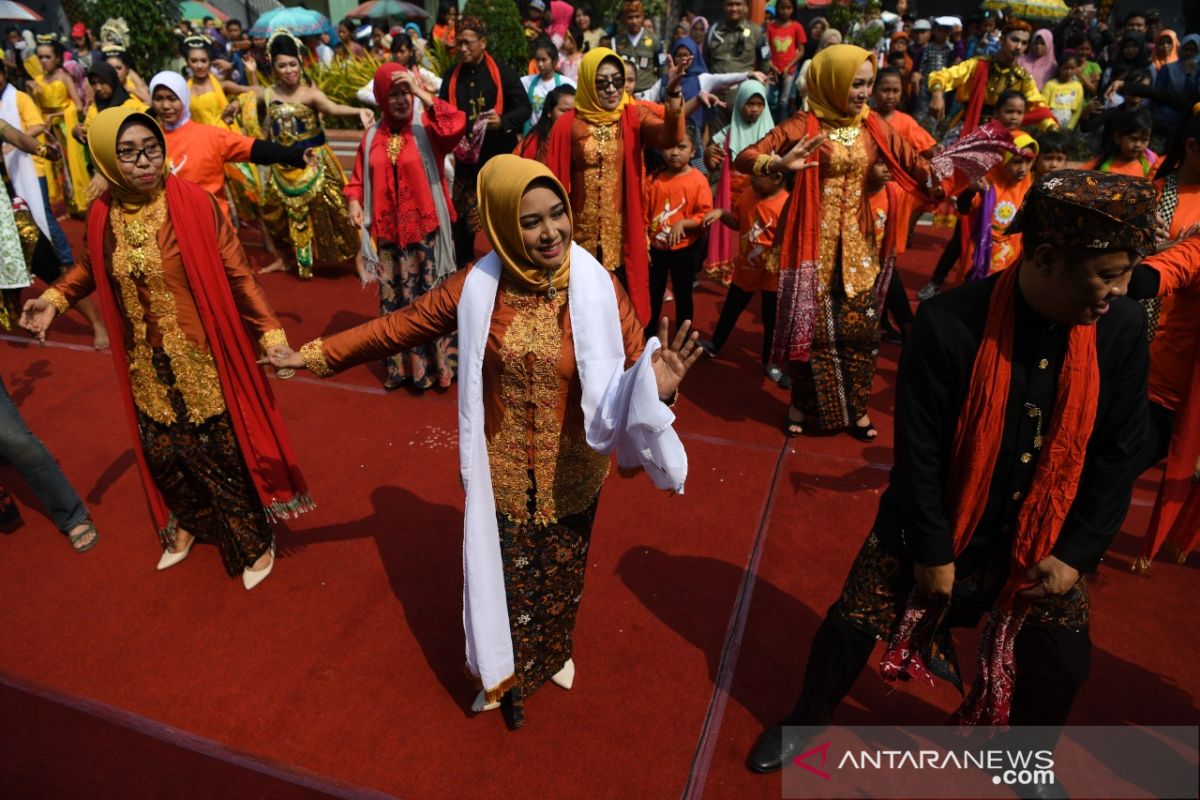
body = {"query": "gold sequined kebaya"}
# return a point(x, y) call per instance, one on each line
point(600, 222)
point(566, 473)
point(841, 202)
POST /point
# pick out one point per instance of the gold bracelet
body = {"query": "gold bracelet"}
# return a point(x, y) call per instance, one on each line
point(57, 299)
point(313, 354)
point(273, 337)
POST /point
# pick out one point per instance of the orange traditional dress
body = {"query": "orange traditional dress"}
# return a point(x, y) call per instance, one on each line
point(1003, 198)
point(912, 132)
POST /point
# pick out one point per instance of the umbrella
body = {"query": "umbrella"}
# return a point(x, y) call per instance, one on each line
point(196, 10)
point(379, 9)
point(18, 12)
point(1032, 10)
point(297, 21)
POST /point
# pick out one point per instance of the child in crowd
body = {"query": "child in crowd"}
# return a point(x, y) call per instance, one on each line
point(1053, 149)
point(1065, 93)
point(750, 121)
point(887, 95)
point(886, 201)
point(786, 38)
point(1125, 147)
point(990, 205)
point(544, 81)
point(1089, 71)
point(756, 219)
point(537, 140)
point(1009, 114)
point(677, 200)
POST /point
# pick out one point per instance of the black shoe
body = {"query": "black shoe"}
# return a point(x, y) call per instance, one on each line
point(775, 747)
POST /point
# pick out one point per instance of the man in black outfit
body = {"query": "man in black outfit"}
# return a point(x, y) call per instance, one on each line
point(488, 90)
point(1083, 233)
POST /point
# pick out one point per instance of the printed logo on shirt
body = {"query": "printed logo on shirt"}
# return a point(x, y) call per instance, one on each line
point(661, 224)
point(1004, 212)
point(782, 44)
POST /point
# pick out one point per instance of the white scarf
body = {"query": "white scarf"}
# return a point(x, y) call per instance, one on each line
point(621, 412)
point(178, 86)
point(20, 164)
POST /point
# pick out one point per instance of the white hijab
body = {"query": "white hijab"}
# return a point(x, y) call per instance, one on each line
point(177, 84)
point(19, 164)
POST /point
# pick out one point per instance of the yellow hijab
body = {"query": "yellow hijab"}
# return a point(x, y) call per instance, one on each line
point(587, 101)
point(102, 142)
point(502, 182)
point(829, 80)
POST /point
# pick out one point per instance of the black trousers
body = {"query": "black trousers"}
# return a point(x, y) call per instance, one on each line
point(681, 265)
point(736, 300)
point(1052, 665)
point(896, 302)
point(949, 255)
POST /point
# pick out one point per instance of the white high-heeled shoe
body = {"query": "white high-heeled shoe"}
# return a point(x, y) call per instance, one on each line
point(481, 704)
point(253, 577)
point(171, 558)
point(565, 677)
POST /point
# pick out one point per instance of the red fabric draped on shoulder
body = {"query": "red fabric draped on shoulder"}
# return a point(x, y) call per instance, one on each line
point(801, 237)
point(636, 246)
point(260, 432)
point(978, 90)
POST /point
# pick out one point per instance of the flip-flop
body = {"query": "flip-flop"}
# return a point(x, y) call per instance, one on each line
point(90, 529)
point(793, 427)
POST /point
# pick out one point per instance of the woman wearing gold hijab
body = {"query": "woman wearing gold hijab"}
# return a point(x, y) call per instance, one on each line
point(831, 274)
point(544, 335)
point(596, 152)
point(214, 458)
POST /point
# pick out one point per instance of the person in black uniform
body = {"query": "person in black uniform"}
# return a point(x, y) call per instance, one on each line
point(490, 93)
point(1021, 416)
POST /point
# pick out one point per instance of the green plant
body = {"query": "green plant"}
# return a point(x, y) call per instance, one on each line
point(506, 36)
point(340, 81)
point(152, 44)
point(441, 57)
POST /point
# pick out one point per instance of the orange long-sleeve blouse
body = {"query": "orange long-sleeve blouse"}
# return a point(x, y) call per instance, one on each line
point(542, 467)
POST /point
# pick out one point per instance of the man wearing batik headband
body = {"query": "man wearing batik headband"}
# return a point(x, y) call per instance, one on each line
point(497, 108)
point(1020, 419)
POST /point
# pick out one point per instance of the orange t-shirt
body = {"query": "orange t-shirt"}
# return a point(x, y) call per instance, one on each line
point(758, 219)
point(672, 198)
point(1176, 344)
point(880, 209)
point(1134, 169)
point(912, 132)
point(198, 153)
point(1006, 248)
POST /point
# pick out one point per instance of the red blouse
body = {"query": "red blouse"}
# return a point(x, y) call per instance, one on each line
point(402, 208)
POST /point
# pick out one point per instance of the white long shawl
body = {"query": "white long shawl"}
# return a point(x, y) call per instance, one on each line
point(622, 413)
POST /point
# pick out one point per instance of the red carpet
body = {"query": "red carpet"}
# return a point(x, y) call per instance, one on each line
point(342, 674)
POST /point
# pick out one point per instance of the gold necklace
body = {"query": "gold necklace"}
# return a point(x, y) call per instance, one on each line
point(846, 135)
point(395, 143)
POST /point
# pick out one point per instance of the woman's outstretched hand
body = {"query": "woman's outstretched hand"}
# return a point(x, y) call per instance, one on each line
point(282, 357)
point(796, 159)
point(672, 361)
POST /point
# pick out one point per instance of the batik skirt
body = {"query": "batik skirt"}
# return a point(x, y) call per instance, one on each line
point(544, 566)
point(406, 273)
point(832, 388)
point(200, 472)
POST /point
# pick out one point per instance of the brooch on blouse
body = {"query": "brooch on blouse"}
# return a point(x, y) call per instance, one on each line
point(395, 144)
point(846, 135)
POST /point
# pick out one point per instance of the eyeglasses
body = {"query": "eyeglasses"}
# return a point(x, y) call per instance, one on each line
point(131, 155)
point(467, 42)
point(602, 84)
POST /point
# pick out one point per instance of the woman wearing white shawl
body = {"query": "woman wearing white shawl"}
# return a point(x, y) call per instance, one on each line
point(545, 334)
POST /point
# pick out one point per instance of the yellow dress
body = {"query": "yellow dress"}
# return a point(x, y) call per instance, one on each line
point(206, 108)
point(305, 206)
point(68, 179)
point(132, 102)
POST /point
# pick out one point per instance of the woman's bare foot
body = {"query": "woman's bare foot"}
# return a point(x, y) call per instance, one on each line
point(275, 266)
point(100, 337)
point(182, 540)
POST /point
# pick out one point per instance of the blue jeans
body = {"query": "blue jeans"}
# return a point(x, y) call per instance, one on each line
point(19, 447)
point(62, 248)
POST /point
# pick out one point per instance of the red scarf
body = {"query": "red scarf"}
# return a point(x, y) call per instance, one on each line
point(972, 462)
point(1176, 516)
point(978, 92)
point(636, 247)
point(801, 236)
point(492, 69)
point(260, 433)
